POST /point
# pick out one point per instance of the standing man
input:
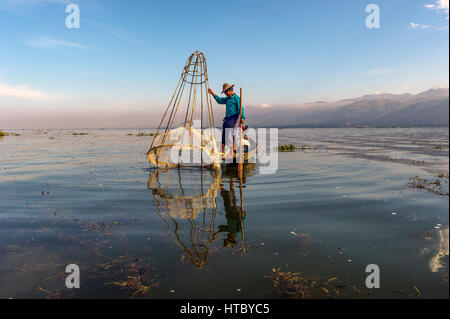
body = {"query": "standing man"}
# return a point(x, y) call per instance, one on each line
point(231, 120)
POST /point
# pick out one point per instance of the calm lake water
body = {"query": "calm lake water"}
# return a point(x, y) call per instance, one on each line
point(345, 199)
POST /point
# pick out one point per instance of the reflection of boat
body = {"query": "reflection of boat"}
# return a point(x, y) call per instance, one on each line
point(232, 171)
point(186, 202)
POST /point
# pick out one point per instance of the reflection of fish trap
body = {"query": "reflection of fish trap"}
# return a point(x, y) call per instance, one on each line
point(187, 145)
point(188, 208)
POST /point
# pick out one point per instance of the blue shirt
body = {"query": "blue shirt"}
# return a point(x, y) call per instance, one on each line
point(233, 105)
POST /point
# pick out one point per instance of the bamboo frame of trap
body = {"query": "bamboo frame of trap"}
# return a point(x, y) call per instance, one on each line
point(194, 80)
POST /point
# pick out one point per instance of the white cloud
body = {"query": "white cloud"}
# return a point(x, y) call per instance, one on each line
point(443, 5)
point(414, 26)
point(418, 26)
point(22, 91)
point(440, 6)
point(265, 105)
point(53, 43)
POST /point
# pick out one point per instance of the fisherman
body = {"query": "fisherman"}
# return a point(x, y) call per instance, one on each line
point(233, 109)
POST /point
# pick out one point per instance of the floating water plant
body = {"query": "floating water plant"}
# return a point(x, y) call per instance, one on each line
point(8, 134)
point(291, 285)
point(146, 134)
point(434, 187)
point(75, 133)
point(286, 148)
point(136, 284)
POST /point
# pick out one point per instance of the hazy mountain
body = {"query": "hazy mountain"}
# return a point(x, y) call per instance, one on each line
point(429, 108)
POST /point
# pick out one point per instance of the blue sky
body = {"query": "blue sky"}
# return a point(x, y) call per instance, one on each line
point(127, 55)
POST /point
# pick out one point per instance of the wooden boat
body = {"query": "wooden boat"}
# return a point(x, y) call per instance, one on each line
point(250, 150)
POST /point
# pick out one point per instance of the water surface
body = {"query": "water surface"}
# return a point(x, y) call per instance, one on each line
point(340, 203)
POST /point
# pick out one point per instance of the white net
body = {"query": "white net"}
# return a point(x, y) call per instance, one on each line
point(184, 146)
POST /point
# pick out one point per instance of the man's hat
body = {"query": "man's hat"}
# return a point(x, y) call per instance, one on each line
point(226, 87)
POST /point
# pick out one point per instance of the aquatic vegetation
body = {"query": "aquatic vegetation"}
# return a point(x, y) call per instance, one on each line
point(137, 284)
point(40, 132)
point(291, 285)
point(75, 133)
point(242, 248)
point(127, 272)
point(286, 148)
point(2, 133)
point(133, 274)
point(101, 227)
point(146, 134)
point(287, 284)
point(56, 294)
point(434, 187)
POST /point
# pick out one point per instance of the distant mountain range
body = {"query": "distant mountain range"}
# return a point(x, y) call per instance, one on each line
point(429, 108)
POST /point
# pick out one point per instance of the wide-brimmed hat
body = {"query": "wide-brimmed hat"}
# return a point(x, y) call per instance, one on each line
point(226, 87)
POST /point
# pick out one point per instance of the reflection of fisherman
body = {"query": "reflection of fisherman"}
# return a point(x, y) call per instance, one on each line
point(233, 214)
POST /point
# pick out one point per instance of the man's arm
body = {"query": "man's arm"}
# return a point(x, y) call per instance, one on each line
point(220, 100)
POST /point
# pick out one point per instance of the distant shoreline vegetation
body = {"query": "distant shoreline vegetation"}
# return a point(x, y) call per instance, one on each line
point(286, 148)
point(144, 134)
point(2, 133)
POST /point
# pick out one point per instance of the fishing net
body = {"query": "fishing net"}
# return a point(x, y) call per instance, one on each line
point(184, 146)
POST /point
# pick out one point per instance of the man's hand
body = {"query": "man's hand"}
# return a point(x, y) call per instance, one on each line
point(211, 92)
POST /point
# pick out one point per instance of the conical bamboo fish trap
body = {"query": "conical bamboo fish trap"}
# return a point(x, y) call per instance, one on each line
point(189, 143)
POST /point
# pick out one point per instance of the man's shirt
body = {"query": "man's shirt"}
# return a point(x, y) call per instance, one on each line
point(233, 105)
